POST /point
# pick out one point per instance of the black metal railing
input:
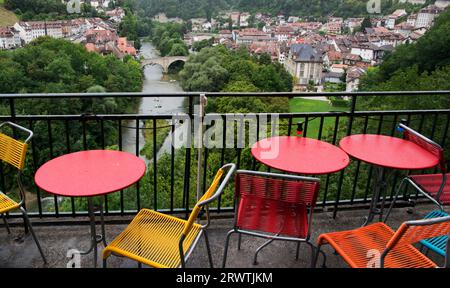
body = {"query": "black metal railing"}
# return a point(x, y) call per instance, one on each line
point(160, 188)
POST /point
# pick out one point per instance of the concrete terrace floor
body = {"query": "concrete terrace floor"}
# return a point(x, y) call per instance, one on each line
point(57, 240)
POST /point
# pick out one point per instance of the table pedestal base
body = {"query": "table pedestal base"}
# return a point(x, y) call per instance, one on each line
point(95, 238)
point(379, 189)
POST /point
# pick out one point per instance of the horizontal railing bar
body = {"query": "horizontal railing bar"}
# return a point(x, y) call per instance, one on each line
point(181, 210)
point(170, 116)
point(220, 94)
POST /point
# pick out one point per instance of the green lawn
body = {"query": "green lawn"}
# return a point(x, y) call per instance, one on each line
point(309, 105)
point(7, 18)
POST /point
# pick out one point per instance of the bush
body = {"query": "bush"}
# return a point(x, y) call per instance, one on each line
point(339, 102)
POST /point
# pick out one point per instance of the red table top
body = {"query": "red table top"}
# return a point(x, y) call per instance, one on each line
point(89, 173)
point(300, 155)
point(387, 151)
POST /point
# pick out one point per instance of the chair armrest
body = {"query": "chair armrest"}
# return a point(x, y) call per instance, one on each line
point(30, 133)
point(231, 168)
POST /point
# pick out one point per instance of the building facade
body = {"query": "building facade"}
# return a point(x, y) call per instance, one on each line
point(9, 38)
point(29, 31)
point(305, 63)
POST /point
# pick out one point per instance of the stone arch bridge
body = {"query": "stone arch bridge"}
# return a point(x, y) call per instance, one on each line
point(164, 62)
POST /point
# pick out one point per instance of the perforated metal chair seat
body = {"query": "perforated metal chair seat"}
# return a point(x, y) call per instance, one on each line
point(431, 183)
point(360, 246)
point(7, 204)
point(152, 238)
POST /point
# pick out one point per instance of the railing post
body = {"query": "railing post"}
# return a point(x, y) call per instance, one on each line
point(341, 176)
point(201, 114)
point(12, 109)
point(187, 163)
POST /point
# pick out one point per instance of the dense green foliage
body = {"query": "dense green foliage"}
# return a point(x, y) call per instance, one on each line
point(54, 65)
point(168, 39)
point(316, 8)
point(181, 8)
point(199, 45)
point(220, 69)
point(49, 65)
point(134, 28)
point(47, 10)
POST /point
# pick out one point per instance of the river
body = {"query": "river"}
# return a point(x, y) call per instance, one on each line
point(155, 82)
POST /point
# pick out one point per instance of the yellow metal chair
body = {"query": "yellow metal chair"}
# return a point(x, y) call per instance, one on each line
point(14, 152)
point(164, 241)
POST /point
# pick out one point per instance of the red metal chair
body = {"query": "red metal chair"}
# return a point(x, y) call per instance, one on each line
point(275, 207)
point(435, 187)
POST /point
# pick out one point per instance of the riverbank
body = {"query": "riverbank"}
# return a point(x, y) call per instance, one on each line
point(155, 82)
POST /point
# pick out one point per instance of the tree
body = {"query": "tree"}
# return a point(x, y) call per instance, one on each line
point(366, 24)
point(178, 49)
point(240, 86)
point(96, 89)
point(199, 45)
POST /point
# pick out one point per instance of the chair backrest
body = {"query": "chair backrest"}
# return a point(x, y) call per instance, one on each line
point(275, 203)
point(426, 143)
point(209, 195)
point(13, 151)
point(411, 232)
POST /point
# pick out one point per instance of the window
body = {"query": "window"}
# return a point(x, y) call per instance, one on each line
point(302, 69)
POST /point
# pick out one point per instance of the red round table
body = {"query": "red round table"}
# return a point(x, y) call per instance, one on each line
point(300, 155)
point(88, 174)
point(386, 152)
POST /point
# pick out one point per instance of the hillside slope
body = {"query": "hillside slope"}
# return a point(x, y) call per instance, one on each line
point(7, 17)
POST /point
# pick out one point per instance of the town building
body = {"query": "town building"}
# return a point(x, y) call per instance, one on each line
point(125, 47)
point(332, 57)
point(249, 35)
point(392, 19)
point(270, 48)
point(235, 17)
point(415, 2)
point(425, 17)
point(116, 15)
point(352, 23)
point(305, 63)
point(243, 19)
point(405, 29)
point(333, 77)
point(29, 31)
point(334, 28)
point(442, 4)
point(9, 38)
point(353, 78)
point(283, 33)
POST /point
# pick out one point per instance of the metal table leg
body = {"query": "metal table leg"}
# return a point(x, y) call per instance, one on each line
point(379, 188)
point(95, 239)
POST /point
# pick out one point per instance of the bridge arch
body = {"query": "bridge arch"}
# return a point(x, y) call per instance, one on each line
point(164, 62)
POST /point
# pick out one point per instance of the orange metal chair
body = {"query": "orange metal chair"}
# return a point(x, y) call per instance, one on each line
point(275, 207)
point(14, 152)
point(164, 241)
point(378, 246)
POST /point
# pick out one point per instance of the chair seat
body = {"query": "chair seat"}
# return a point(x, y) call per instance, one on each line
point(437, 244)
point(272, 216)
point(7, 204)
point(152, 238)
point(430, 183)
point(360, 246)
